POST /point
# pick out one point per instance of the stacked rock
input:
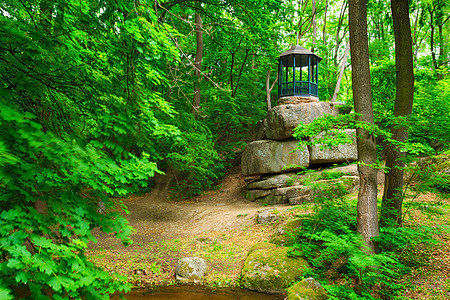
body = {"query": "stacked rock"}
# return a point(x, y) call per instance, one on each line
point(268, 164)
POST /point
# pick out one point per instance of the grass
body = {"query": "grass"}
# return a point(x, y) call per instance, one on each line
point(224, 252)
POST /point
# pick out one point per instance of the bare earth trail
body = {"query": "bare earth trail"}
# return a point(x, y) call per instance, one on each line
point(157, 218)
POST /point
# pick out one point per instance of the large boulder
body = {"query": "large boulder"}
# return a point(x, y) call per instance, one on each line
point(307, 289)
point(190, 269)
point(338, 154)
point(267, 157)
point(269, 269)
point(282, 119)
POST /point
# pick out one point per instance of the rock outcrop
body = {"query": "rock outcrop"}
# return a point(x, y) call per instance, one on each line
point(296, 189)
point(269, 164)
point(282, 119)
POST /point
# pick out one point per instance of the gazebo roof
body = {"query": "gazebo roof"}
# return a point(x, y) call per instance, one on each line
point(298, 50)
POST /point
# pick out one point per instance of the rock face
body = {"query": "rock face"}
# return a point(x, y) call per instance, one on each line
point(309, 289)
point(341, 153)
point(268, 164)
point(268, 157)
point(190, 269)
point(297, 189)
point(271, 182)
point(282, 119)
point(269, 269)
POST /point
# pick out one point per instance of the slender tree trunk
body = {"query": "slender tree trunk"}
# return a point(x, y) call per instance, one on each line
point(391, 209)
point(367, 220)
point(269, 89)
point(197, 64)
point(433, 53)
point(314, 24)
point(341, 72)
point(338, 38)
point(416, 36)
point(325, 23)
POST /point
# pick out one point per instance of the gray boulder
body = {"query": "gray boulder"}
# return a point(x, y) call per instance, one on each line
point(267, 216)
point(337, 154)
point(190, 269)
point(270, 157)
point(282, 119)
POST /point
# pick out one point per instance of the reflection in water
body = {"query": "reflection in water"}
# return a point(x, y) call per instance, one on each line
point(195, 292)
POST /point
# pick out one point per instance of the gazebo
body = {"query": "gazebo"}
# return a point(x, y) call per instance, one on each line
point(298, 73)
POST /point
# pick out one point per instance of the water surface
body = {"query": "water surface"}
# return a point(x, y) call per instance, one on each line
point(195, 292)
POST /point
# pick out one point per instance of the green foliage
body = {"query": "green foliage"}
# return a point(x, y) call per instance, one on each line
point(429, 120)
point(81, 121)
point(332, 174)
point(328, 131)
point(382, 77)
point(43, 253)
point(327, 238)
point(428, 123)
point(431, 174)
point(197, 160)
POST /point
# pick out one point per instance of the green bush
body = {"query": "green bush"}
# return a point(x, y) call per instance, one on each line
point(329, 241)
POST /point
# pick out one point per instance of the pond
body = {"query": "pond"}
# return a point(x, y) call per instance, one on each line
point(196, 292)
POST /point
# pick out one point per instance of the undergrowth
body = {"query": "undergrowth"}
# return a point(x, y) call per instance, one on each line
point(339, 259)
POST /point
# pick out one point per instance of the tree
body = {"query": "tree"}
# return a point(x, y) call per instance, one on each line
point(81, 126)
point(341, 72)
point(392, 199)
point(367, 222)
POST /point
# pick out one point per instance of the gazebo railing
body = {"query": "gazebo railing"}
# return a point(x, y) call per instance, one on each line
point(299, 88)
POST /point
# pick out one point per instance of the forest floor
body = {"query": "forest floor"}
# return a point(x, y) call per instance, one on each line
point(220, 226)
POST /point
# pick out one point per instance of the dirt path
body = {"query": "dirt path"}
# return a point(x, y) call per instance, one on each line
point(157, 218)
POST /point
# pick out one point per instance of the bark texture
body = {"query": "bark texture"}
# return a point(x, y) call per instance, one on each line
point(391, 209)
point(367, 222)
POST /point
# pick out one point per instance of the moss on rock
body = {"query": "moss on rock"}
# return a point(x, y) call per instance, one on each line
point(307, 289)
point(282, 236)
point(268, 269)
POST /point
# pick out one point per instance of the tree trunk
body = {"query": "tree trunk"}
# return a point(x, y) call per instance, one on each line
point(197, 64)
point(314, 24)
point(433, 53)
point(341, 72)
point(367, 220)
point(416, 36)
point(269, 89)
point(391, 208)
point(325, 23)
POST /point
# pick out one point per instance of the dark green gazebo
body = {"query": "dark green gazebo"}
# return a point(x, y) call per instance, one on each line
point(298, 73)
